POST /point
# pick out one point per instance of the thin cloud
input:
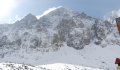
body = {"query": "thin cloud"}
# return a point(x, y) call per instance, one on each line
point(47, 11)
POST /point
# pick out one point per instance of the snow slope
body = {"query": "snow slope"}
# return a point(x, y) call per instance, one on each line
point(92, 56)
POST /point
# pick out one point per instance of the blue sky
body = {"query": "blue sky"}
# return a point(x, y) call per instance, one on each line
point(95, 8)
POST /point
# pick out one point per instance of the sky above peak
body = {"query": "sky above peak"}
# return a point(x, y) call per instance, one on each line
point(20, 8)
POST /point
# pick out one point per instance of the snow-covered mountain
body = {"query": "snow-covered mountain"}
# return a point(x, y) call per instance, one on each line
point(53, 29)
point(60, 36)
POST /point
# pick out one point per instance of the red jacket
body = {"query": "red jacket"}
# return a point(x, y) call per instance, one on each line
point(117, 61)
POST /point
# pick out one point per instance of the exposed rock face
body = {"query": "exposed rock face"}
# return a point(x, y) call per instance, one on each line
point(79, 38)
point(53, 29)
point(101, 30)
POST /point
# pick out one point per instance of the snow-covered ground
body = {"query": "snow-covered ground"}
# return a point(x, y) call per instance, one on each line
point(61, 66)
point(57, 66)
point(14, 66)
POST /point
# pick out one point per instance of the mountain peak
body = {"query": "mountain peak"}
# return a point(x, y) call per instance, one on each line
point(29, 14)
point(29, 18)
